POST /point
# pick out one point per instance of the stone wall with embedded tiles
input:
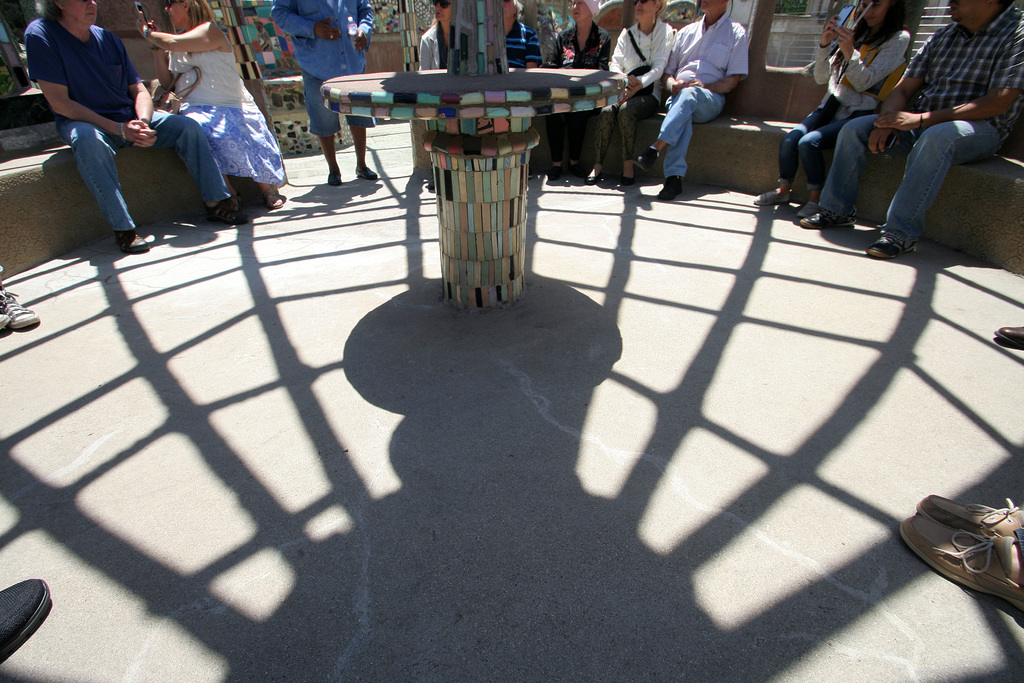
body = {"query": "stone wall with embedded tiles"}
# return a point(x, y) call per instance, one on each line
point(286, 104)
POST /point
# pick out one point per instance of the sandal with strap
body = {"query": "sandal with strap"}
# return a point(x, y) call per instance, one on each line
point(224, 212)
point(274, 200)
point(129, 242)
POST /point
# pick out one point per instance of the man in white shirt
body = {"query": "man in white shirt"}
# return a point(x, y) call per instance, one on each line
point(708, 60)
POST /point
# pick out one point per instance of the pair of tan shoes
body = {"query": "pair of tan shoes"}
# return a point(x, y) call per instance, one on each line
point(973, 545)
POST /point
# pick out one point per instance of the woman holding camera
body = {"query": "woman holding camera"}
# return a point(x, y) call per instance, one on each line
point(239, 137)
point(641, 52)
point(861, 65)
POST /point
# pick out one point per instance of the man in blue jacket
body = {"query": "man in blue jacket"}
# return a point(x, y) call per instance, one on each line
point(327, 48)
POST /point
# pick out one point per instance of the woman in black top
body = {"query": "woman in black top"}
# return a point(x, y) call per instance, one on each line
point(569, 54)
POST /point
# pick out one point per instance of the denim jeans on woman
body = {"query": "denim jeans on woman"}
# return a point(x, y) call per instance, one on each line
point(807, 143)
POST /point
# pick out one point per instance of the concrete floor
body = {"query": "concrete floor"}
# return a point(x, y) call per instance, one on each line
point(272, 453)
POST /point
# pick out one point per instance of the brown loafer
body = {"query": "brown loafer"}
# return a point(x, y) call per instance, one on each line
point(974, 561)
point(978, 519)
point(1011, 337)
point(129, 242)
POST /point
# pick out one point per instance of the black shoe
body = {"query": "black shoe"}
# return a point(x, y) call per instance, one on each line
point(578, 171)
point(593, 179)
point(890, 246)
point(828, 219)
point(1010, 337)
point(365, 173)
point(554, 173)
point(130, 243)
point(626, 182)
point(673, 186)
point(334, 178)
point(430, 186)
point(23, 607)
point(646, 160)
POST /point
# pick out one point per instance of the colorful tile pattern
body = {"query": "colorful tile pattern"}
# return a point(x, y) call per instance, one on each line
point(261, 50)
point(494, 104)
point(481, 208)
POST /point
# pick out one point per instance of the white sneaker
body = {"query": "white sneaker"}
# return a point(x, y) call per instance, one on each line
point(808, 210)
point(770, 198)
point(17, 315)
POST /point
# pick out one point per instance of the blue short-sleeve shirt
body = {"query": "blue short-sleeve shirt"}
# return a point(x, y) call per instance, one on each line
point(97, 73)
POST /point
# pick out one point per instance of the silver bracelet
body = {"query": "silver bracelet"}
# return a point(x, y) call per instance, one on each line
point(120, 129)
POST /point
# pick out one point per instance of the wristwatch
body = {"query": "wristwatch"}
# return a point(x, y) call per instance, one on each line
point(146, 31)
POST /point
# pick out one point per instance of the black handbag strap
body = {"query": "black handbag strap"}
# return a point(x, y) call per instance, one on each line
point(635, 46)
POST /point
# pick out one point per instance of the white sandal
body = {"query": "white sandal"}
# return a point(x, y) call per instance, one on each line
point(773, 197)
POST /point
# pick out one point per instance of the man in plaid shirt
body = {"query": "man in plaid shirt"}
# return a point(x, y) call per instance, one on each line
point(956, 103)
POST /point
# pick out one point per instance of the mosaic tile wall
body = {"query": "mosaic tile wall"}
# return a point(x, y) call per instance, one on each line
point(287, 105)
point(261, 52)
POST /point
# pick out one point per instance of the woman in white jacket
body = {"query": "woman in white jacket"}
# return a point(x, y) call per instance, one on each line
point(434, 43)
point(860, 66)
point(645, 44)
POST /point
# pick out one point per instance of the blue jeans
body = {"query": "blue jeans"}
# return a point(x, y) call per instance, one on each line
point(690, 106)
point(94, 151)
point(929, 154)
point(806, 143)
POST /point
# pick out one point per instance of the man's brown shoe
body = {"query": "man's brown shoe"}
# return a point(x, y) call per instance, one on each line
point(978, 519)
point(1010, 337)
point(967, 558)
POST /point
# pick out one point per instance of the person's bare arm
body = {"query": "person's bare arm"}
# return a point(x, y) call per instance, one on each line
point(57, 97)
point(725, 85)
point(162, 68)
point(902, 95)
point(993, 103)
point(136, 132)
point(203, 38)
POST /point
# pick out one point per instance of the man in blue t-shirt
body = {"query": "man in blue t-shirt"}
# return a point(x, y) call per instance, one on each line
point(100, 106)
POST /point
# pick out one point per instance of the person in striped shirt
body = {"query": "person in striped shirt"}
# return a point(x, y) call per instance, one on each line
point(521, 45)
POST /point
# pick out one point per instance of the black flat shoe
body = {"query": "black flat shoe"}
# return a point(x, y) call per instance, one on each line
point(130, 243)
point(554, 173)
point(626, 182)
point(25, 606)
point(365, 173)
point(593, 179)
point(578, 171)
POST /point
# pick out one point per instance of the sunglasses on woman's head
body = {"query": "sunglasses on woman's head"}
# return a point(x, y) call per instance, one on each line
point(641, 2)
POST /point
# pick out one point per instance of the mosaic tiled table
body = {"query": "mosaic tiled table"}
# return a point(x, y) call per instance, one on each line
point(479, 139)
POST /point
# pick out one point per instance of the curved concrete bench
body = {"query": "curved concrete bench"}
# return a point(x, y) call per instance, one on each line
point(47, 209)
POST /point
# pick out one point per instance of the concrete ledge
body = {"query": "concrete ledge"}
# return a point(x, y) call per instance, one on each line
point(47, 209)
point(978, 211)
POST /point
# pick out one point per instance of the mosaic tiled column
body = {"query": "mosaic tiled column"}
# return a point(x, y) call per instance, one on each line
point(479, 140)
point(407, 28)
point(481, 207)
